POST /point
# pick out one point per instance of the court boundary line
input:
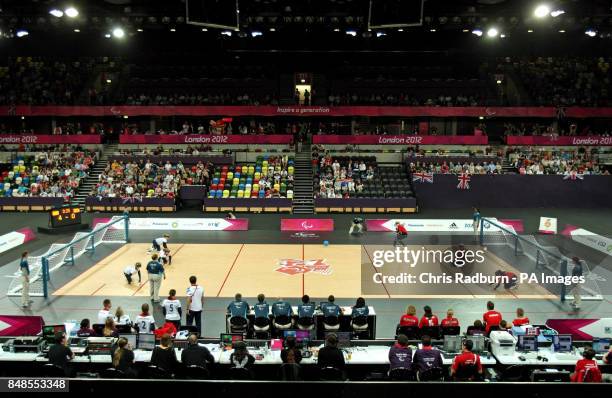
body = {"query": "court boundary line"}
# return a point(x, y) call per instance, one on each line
point(303, 275)
point(98, 289)
point(230, 270)
point(372, 264)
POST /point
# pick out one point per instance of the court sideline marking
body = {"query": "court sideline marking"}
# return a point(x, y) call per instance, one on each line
point(230, 270)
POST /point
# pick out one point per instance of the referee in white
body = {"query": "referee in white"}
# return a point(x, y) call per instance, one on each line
point(156, 271)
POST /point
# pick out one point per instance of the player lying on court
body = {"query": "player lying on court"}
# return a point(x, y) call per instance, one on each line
point(158, 243)
point(509, 279)
point(165, 257)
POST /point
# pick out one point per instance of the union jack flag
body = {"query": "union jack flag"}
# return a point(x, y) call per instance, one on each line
point(423, 177)
point(572, 175)
point(464, 181)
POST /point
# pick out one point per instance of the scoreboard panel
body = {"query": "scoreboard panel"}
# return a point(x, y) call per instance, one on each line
point(64, 216)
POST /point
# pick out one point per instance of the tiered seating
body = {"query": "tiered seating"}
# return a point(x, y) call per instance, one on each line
point(372, 183)
point(268, 177)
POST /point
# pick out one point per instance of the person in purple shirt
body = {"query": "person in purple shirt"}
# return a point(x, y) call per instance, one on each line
point(426, 357)
point(400, 355)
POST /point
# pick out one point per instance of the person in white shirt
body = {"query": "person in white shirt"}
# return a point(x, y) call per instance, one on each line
point(132, 270)
point(121, 318)
point(164, 257)
point(144, 323)
point(172, 309)
point(104, 313)
point(195, 303)
point(158, 243)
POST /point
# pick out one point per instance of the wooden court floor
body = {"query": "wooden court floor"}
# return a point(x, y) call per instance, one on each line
point(277, 270)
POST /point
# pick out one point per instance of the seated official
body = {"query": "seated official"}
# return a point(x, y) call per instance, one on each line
point(60, 354)
point(521, 319)
point(491, 318)
point(85, 329)
point(426, 357)
point(291, 354)
point(195, 354)
point(360, 309)
point(241, 358)
point(330, 308)
point(237, 309)
point(331, 355)
point(262, 312)
point(282, 308)
point(123, 357)
point(477, 329)
point(306, 312)
point(428, 318)
point(121, 318)
point(587, 370)
point(409, 318)
point(450, 319)
point(163, 355)
point(109, 328)
point(466, 366)
point(400, 355)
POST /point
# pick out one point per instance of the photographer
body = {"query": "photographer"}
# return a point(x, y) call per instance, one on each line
point(356, 225)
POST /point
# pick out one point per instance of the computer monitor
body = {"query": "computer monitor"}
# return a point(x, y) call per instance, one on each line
point(228, 339)
point(562, 342)
point(344, 338)
point(49, 331)
point(130, 337)
point(146, 342)
point(300, 335)
point(479, 343)
point(452, 344)
point(601, 345)
point(532, 331)
point(527, 343)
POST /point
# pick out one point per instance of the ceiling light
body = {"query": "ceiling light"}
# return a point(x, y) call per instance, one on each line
point(590, 33)
point(256, 33)
point(71, 12)
point(351, 33)
point(556, 13)
point(502, 36)
point(400, 30)
point(56, 13)
point(477, 32)
point(530, 31)
point(77, 30)
point(432, 30)
point(108, 35)
point(465, 30)
point(139, 30)
point(562, 31)
point(118, 33)
point(227, 33)
point(541, 11)
point(380, 34)
point(498, 82)
point(109, 81)
point(22, 33)
point(272, 30)
point(492, 32)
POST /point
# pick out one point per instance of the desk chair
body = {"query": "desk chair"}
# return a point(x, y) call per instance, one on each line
point(240, 374)
point(155, 372)
point(331, 324)
point(431, 374)
point(512, 373)
point(401, 374)
point(290, 372)
point(450, 330)
point(52, 370)
point(306, 323)
point(195, 372)
point(261, 328)
point(123, 329)
point(431, 331)
point(467, 373)
point(237, 324)
point(412, 332)
point(359, 325)
point(282, 322)
point(112, 373)
point(331, 373)
point(98, 328)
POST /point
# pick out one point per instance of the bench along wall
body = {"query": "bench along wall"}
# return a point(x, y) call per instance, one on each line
point(515, 191)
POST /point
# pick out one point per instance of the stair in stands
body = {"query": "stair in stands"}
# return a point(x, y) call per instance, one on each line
point(507, 167)
point(89, 183)
point(303, 194)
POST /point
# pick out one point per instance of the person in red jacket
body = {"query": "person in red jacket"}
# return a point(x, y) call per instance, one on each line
point(466, 366)
point(491, 317)
point(428, 319)
point(409, 318)
point(400, 234)
point(587, 370)
point(450, 319)
point(521, 319)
